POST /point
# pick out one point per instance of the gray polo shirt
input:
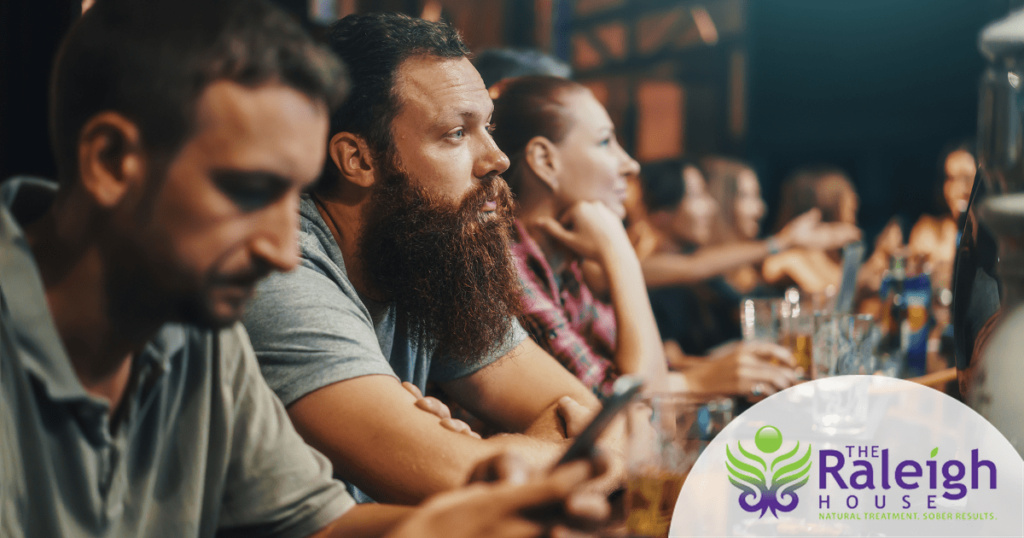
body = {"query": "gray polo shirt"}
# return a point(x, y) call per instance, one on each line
point(204, 446)
point(311, 328)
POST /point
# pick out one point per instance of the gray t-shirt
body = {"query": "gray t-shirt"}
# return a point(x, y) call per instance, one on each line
point(311, 328)
point(203, 447)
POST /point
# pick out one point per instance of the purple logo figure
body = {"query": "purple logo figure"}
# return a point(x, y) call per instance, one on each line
point(768, 487)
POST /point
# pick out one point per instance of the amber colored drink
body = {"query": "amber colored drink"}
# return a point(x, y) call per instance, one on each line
point(650, 501)
point(802, 349)
point(802, 346)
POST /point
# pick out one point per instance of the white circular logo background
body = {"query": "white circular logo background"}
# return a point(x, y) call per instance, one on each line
point(859, 455)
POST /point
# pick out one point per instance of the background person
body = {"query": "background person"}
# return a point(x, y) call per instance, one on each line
point(569, 176)
point(829, 192)
point(130, 399)
point(933, 239)
point(683, 256)
point(404, 276)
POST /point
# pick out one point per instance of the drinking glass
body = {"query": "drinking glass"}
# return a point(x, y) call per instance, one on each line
point(844, 344)
point(796, 332)
point(825, 344)
point(666, 434)
point(856, 345)
point(840, 405)
point(759, 319)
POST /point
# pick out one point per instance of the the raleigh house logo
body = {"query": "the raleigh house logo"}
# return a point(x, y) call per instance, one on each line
point(767, 486)
point(855, 471)
point(914, 482)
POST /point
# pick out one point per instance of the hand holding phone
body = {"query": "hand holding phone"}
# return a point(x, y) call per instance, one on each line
point(625, 389)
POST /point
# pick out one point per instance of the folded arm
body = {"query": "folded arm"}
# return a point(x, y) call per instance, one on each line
point(377, 439)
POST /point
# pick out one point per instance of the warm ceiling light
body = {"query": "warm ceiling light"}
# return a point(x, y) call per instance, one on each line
point(705, 26)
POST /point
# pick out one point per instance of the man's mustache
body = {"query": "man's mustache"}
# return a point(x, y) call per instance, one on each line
point(489, 189)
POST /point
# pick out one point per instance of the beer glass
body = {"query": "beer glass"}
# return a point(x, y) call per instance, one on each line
point(796, 333)
point(666, 433)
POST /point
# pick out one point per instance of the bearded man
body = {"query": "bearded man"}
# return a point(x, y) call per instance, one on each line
point(131, 403)
point(406, 276)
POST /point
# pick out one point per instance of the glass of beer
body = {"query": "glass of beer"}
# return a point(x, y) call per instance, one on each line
point(666, 434)
point(796, 332)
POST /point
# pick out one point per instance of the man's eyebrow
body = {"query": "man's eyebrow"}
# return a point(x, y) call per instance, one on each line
point(464, 114)
point(253, 189)
point(254, 177)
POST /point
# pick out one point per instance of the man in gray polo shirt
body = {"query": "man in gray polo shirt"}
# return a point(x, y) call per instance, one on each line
point(131, 403)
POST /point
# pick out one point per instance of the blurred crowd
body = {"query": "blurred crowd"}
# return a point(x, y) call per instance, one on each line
point(277, 278)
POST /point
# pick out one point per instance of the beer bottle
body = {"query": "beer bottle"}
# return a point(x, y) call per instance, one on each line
point(891, 347)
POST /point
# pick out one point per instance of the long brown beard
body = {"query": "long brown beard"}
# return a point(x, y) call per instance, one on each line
point(449, 271)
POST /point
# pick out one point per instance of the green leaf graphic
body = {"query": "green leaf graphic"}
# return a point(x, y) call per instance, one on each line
point(802, 466)
point(754, 476)
point(786, 455)
point(799, 485)
point(740, 474)
point(751, 456)
point(934, 452)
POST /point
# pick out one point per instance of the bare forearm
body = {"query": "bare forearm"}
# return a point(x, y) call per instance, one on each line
point(638, 347)
point(668, 269)
point(812, 271)
point(377, 439)
point(366, 521)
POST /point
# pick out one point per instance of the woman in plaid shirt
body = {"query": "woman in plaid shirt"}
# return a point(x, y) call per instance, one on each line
point(569, 176)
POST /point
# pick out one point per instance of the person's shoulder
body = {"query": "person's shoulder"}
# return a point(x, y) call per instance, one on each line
point(318, 248)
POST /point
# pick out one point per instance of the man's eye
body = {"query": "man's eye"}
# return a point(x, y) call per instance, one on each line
point(250, 191)
point(606, 142)
point(491, 127)
point(456, 134)
point(249, 199)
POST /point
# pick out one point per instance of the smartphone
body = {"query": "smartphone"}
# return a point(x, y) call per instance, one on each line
point(624, 390)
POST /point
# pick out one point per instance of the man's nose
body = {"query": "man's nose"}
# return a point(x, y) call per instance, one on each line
point(491, 160)
point(277, 243)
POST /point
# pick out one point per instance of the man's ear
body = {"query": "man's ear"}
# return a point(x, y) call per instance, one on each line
point(351, 155)
point(110, 157)
point(543, 159)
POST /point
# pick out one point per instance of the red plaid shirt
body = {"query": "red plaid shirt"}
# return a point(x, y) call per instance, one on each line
point(564, 317)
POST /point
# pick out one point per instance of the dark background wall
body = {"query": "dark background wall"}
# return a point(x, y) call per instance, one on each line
point(30, 31)
point(877, 87)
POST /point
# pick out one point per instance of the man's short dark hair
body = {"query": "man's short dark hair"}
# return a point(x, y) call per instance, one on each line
point(150, 60)
point(373, 46)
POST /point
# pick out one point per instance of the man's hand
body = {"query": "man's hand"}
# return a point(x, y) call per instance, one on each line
point(575, 417)
point(522, 503)
point(744, 369)
point(612, 443)
point(436, 407)
point(588, 229)
point(808, 231)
